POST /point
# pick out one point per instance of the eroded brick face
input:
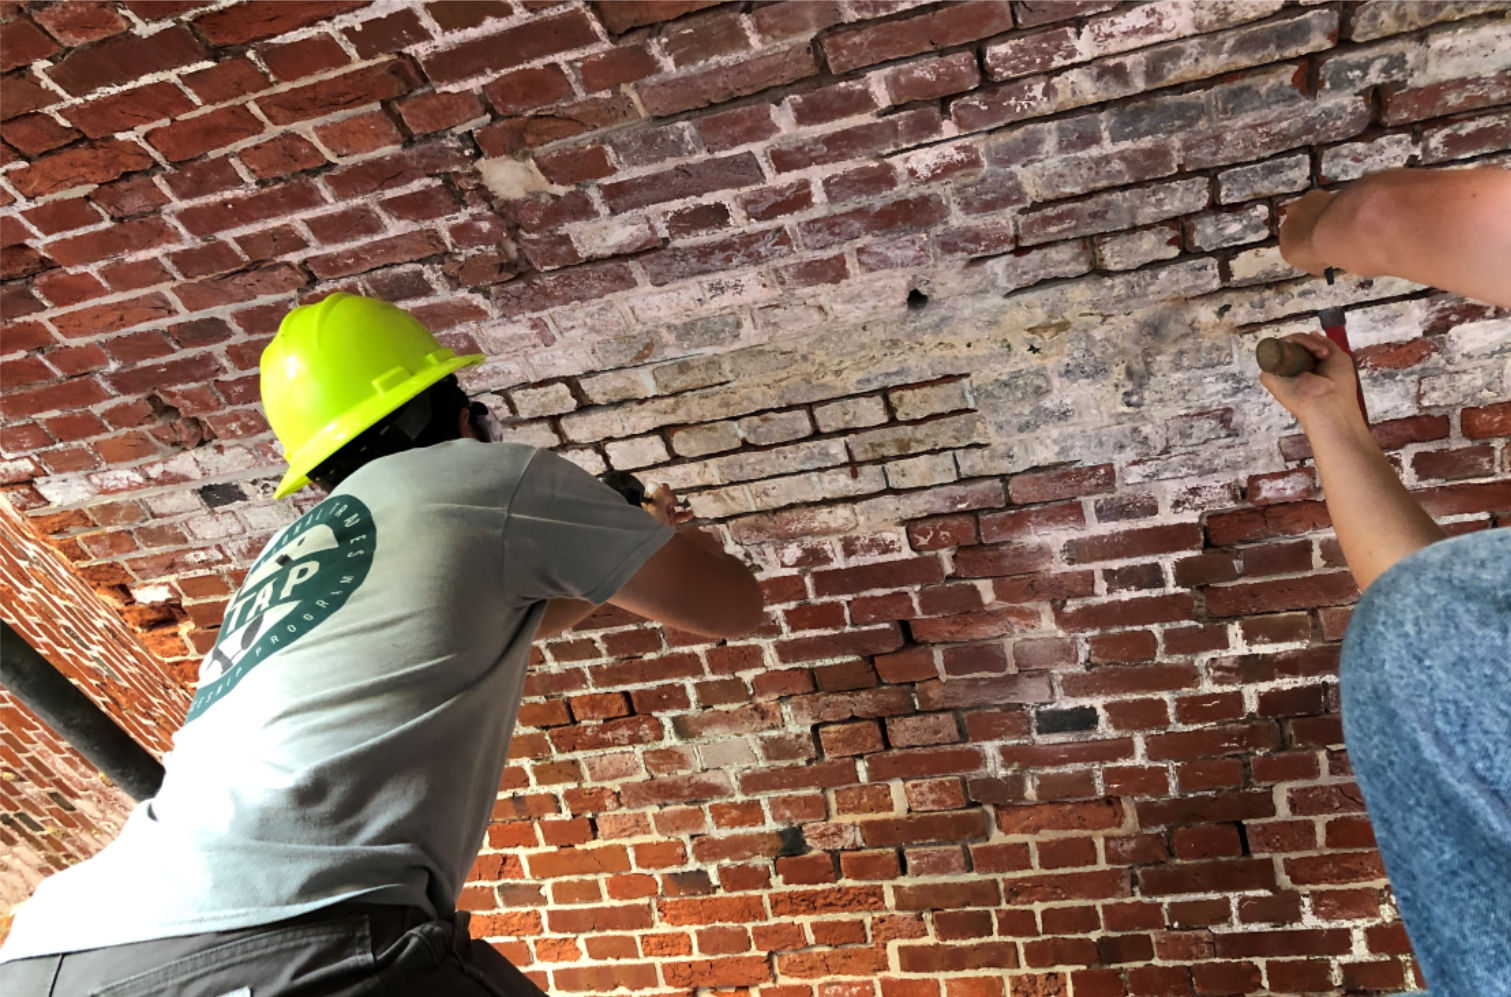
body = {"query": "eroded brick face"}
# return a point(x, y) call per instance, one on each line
point(941, 313)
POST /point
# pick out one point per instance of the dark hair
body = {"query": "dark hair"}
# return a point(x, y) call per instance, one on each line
point(427, 419)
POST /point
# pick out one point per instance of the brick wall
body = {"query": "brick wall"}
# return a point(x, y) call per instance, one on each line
point(943, 314)
point(58, 809)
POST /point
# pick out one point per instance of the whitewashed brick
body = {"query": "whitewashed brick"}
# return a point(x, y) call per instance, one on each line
point(892, 509)
point(533, 434)
point(1128, 250)
point(216, 526)
point(921, 472)
point(174, 503)
point(595, 320)
point(850, 413)
point(933, 399)
point(666, 306)
point(152, 595)
point(688, 375)
point(614, 236)
point(848, 482)
point(727, 291)
point(779, 492)
point(726, 753)
point(1377, 18)
point(642, 451)
point(1276, 176)
point(684, 476)
point(721, 503)
point(212, 462)
point(1443, 144)
point(899, 441)
point(981, 462)
point(776, 427)
point(617, 386)
point(491, 376)
point(1479, 386)
point(715, 330)
point(1217, 229)
point(532, 403)
point(1258, 266)
point(714, 437)
point(1393, 322)
point(268, 517)
point(1355, 159)
point(782, 460)
point(788, 318)
point(1478, 340)
point(588, 459)
point(117, 480)
point(1061, 259)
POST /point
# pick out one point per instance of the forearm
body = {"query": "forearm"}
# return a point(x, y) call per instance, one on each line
point(561, 615)
point(1446, 228)
point(1376, 520)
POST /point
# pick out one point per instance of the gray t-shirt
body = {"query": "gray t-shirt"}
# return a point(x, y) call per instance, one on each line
point(351, 726)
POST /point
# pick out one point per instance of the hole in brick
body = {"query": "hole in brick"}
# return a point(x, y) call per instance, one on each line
point(793, 842)
point(216, 496)
point(916, 300)
point(1078, 718)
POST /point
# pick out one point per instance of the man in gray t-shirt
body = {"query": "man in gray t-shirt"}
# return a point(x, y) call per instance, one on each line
point(332, 786)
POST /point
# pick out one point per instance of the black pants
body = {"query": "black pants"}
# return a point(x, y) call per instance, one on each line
point(347, 949)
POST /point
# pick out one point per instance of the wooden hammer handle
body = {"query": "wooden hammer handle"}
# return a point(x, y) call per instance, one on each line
point(1283, 358)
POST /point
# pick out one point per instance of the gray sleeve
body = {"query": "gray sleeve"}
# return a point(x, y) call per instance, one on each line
point(570, 536)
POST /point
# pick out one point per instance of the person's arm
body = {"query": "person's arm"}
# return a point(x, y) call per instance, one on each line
point(562, 615)
point(1449, 229)
point(692, 583)
point(1375, 518)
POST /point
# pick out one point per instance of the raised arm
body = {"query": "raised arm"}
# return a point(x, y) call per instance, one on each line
point(692, 583)
point(1449, 229)
point(1376, 519)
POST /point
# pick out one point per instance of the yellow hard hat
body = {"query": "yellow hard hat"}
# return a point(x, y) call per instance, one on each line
point(338, 367)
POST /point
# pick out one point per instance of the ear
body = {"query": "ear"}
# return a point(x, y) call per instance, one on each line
point(464, 425)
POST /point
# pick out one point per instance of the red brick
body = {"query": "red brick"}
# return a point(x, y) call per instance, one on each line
point(89, 163)
point(933, 78)
point(822, 775)
point(741, 126)
point(359, 134)
point(1147, 542)
point(125, 58)
point(734, 252)
point(859, 738)
point(1231, 739)
point(1128, 612)
point(693, 179)
point(1486, 421)
point(433, 112)
point(1050, 486)
point(1248, 598)
point(1088, 816)
point(717, 85)
point(1001, 559)
point(382, 35)
point(934, 958)
point(903, 215)
point(1335, 868)
point(360, 87)
point(625, 64)
point(895, 39)
point(620, 16)
point(1311, 941)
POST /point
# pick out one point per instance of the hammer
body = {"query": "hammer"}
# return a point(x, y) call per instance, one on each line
point(1286, 359)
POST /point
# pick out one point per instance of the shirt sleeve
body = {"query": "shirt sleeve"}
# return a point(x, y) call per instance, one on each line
point(570, 536)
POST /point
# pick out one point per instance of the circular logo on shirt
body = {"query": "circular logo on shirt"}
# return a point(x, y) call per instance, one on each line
point(304, 576)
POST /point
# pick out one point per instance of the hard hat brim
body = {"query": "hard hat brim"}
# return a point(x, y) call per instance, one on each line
point(352, 424)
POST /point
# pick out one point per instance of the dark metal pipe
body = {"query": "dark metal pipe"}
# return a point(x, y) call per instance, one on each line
point(33, 680)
